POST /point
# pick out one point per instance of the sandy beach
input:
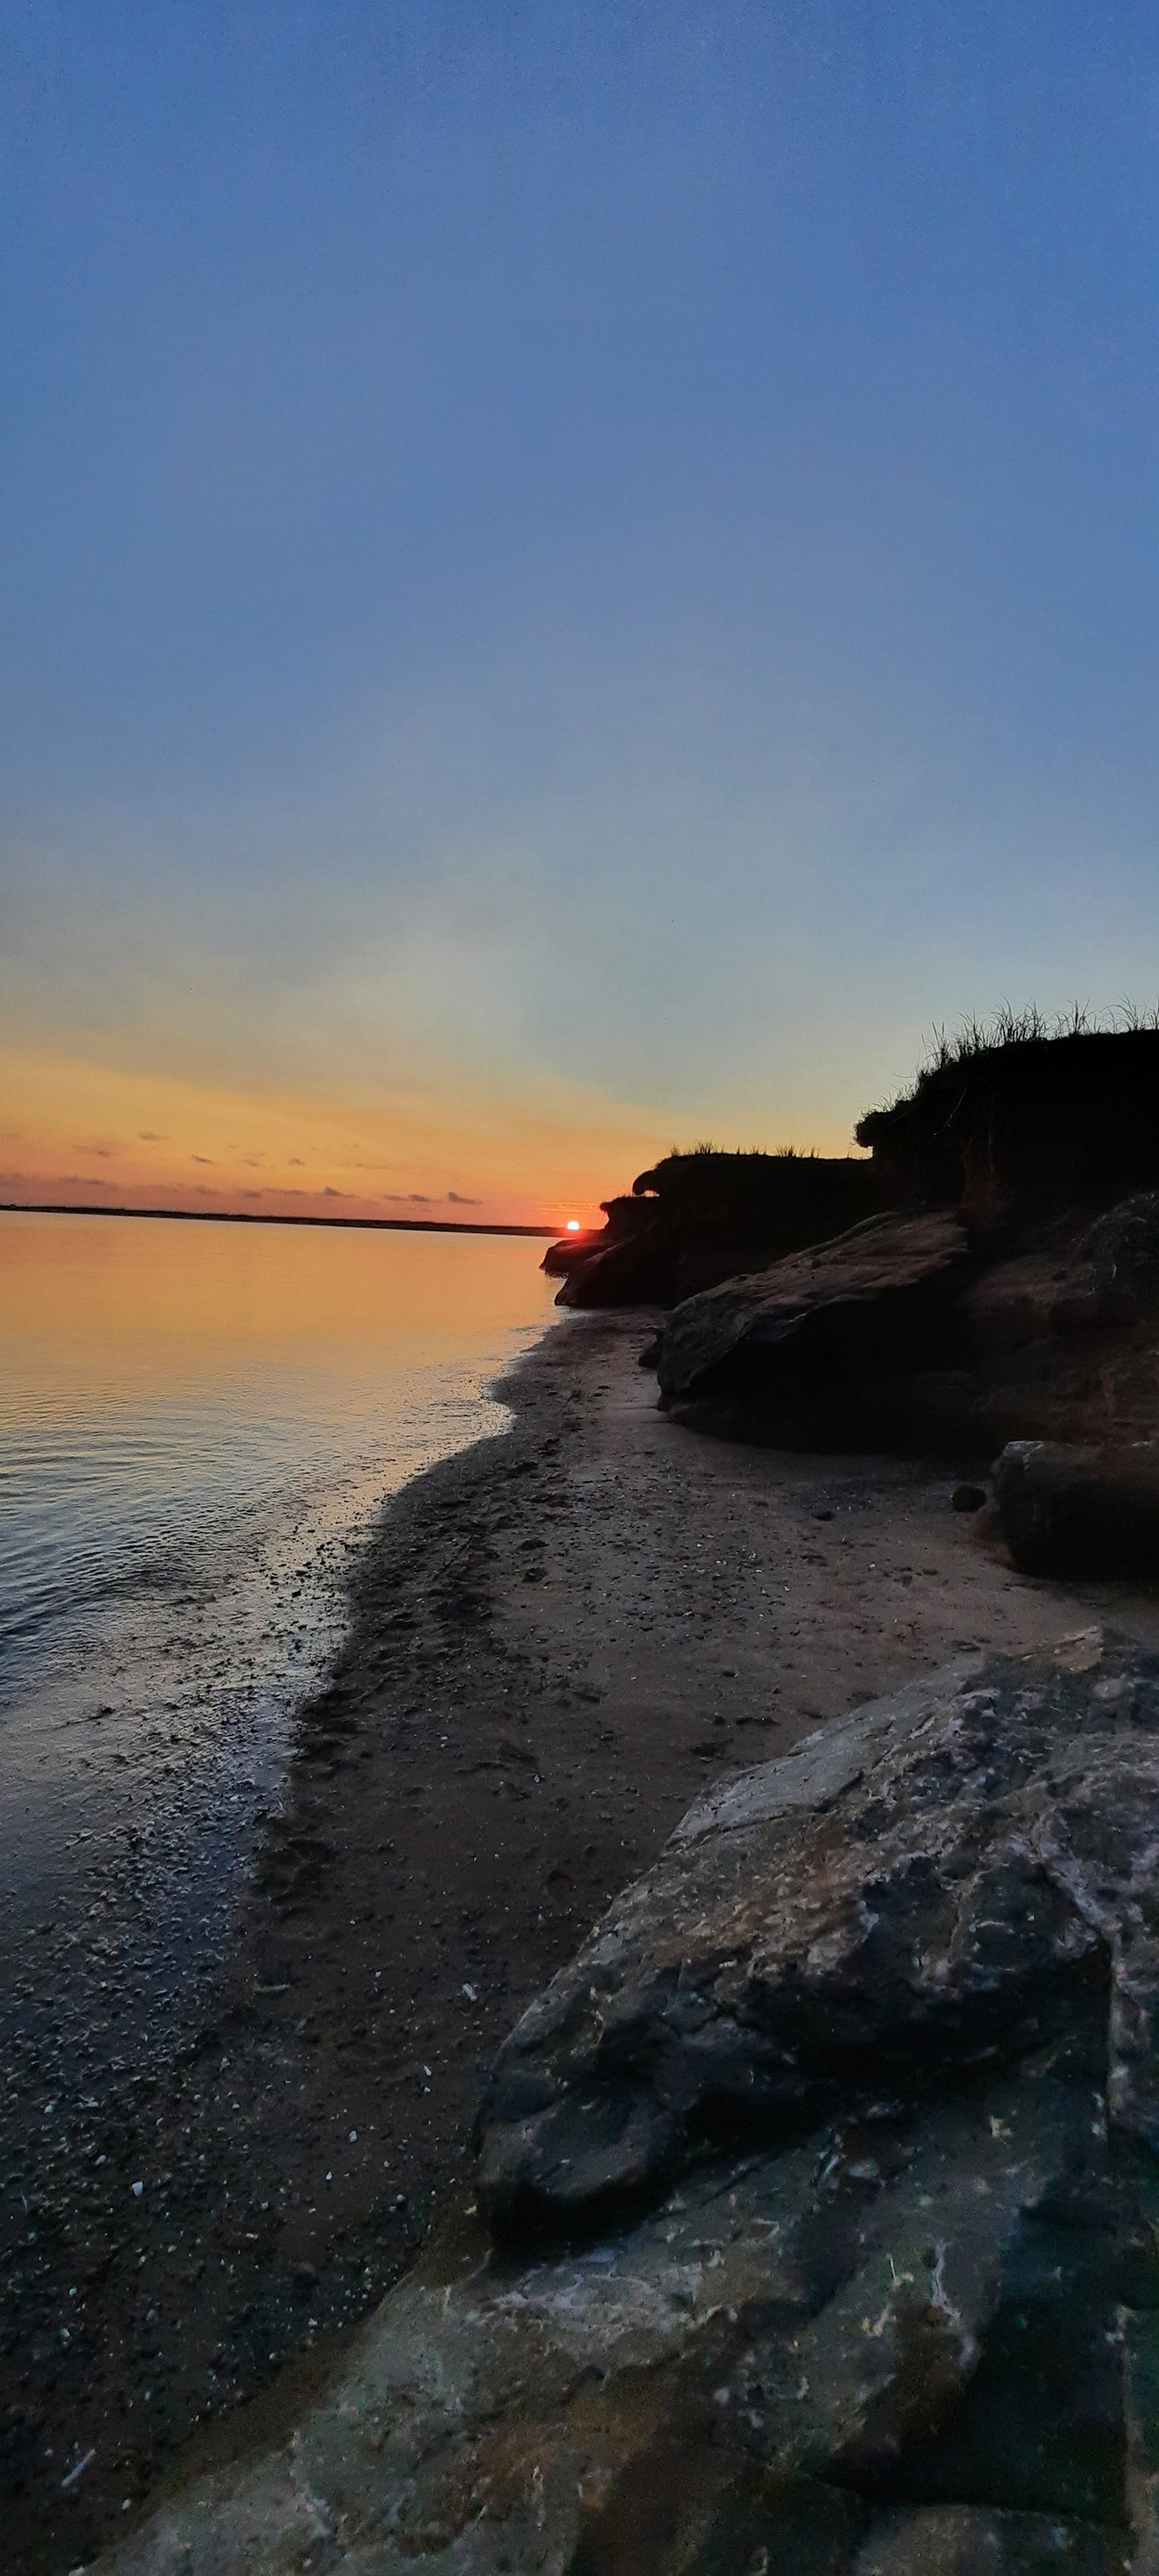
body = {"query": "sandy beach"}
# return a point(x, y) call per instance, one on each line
point(556, 1638)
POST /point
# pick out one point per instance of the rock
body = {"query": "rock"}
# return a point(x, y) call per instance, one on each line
point(702, 1217)
point(726, 2389)
point(831, 1350)
point(1072, 1511)
point(912, 2327)
point(808, 1337)
point(946, 1879)
point(959, 2540)
point(638, 1272)
point(561, 1258)
point(1056, 1350)
point(626, 1221)
point(1122, 1248)
point(1031, 1296)
point(1139, 2330)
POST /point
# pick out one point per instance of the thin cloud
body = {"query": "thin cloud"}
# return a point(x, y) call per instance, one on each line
point(103, 1151)
point(296, 1163)
point(149, 1136)
point(204, 1158)
point(406, 1198)
point(456, 1199)
point(329, 1193)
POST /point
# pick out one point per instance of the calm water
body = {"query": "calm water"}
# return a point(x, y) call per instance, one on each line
point(197, 1422)
point(155, 1377)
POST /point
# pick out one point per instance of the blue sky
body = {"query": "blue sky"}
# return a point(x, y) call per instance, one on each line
point(569, 571)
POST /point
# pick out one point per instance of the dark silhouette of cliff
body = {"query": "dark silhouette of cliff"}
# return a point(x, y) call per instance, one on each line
point(704, 1216)
point(1023, 1124)
point(1007, 1291)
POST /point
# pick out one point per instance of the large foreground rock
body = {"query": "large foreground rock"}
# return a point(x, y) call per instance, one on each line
point(790, 2366)
point(908, 2327)
point(946, 1880)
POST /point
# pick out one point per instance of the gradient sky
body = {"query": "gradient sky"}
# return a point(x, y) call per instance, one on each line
point(575, 576)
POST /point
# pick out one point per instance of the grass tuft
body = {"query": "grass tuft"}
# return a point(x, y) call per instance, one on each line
point(1008, 1027)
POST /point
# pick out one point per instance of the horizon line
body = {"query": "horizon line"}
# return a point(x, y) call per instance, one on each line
point(251, 1216)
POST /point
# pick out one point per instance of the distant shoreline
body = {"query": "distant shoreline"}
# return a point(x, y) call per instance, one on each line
point(239, 1216)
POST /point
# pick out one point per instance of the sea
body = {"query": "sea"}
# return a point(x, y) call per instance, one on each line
point(200, 1424)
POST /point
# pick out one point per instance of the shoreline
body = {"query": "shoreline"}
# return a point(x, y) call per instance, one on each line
point(556, 1637)
point(247, 1216)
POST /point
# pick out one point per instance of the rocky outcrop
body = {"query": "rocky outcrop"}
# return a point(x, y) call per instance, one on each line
point(906, 1333)
point(827, 1332)
point(867, 2068)
point(701, 1217)
point(641, 1269)
point(1028, 1127)
point(1080, 1513)
point(624, 1220)
point(1015, 1133)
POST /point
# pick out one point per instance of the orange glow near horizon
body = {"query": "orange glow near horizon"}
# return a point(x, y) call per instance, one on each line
point(153, 1308)
point(78, 1134)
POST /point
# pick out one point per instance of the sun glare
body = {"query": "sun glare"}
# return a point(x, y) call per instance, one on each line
point(573, 1225)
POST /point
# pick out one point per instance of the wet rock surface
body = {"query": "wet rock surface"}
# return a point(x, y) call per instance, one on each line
point(912, 2323)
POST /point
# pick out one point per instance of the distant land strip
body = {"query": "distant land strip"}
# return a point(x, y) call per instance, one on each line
point(240, 1216)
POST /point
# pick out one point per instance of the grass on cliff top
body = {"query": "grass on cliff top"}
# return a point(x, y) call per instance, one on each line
point(741, 1153)
point(1029, 1027)
point(755, 1188)
point(1011, 1046)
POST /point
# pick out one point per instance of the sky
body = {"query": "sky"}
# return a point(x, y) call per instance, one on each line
point(576, 577)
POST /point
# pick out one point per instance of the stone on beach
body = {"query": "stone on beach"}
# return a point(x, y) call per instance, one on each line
point(1069, 1510)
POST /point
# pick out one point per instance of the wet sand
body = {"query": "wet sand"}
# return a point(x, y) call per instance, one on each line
point(556, 1639)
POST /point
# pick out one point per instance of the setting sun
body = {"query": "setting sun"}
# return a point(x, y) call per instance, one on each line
point(573, 1225)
